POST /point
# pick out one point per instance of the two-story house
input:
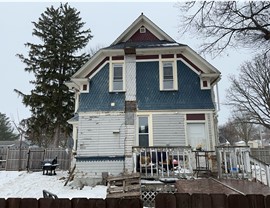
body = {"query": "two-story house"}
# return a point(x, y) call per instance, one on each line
point(145, 89)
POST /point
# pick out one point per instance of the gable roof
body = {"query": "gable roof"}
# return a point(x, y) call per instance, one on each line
point(153, 40)
point(143, 21)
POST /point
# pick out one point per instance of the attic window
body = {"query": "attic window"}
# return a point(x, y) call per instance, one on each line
point(205, 84)
point(142, 29)
point(84, 87)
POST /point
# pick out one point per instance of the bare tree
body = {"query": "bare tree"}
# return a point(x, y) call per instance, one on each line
point(224, 24)
point(239, 128)
point(250, 92)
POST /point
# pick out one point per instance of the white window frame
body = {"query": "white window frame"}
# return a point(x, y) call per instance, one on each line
point(150, 128)
point(208, 84)
point(112, 63)
point(161, 74)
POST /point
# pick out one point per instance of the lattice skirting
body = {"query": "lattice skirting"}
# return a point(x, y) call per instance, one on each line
point(149, 192)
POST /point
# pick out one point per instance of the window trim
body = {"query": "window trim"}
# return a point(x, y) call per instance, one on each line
point(208, 84)
point(161, 73)
point(111, 75)
point(150, 128)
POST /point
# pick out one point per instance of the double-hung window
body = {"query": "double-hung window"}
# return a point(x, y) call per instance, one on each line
point(168, 77)
point(117, 77)
point(143, 131)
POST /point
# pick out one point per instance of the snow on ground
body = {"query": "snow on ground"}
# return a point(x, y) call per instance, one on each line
point(30, 185)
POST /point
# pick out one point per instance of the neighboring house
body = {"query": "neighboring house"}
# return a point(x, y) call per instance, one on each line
point(145, 89)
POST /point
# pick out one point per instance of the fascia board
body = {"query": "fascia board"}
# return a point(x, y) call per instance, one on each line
point(206, 66)
point(95, 59)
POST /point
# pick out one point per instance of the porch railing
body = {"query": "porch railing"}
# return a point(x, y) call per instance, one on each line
point(260, 171)
point(233, 162)
point(163, 161)
point(236, 162)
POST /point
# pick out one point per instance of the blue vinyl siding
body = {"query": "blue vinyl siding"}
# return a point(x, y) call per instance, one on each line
point(99, 98)
point(188, 96)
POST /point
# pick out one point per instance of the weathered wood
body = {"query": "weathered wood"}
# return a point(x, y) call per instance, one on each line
point(165, 200)
point(123, 177)
point(130, 203)
point(29, 202)
point(112, 202)
point(3, 203)
point(237, 200)
point(100, 203)
point(13, 202)
point(127, 194)
point(201, 201)
point(119, 189)
point(256, 201)
point(54, 203)
point(267, 201)
point(183, 200)
point(124, 186)
point(80, 203)
point(219, 200)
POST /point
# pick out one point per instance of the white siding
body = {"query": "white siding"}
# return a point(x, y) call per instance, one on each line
point(130, 62)
point(94, 169)
point(101, 135)
point(168, 129)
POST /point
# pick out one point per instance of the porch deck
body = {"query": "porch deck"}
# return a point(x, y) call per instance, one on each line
point(222, 186)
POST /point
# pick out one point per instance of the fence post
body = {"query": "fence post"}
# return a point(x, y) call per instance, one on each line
point(165, 200)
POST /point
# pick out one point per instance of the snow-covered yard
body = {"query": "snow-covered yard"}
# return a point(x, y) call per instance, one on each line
point(30, 185)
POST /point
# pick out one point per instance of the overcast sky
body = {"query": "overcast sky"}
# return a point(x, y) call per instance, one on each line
point(107, 20)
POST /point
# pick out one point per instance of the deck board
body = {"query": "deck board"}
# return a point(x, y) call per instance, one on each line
point(210, 186)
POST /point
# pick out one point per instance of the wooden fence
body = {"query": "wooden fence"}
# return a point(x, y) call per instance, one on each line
point(180, 200)
point(163, 200)
point(14, 159)
point(262, 154)
point(70, 203)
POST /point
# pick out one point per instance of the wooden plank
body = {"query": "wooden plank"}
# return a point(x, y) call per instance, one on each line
point(80, 203)
point(117, 189)
point(267, 201)
point(124, 177)
point(112, 202)
point(100, 203)
point(237, 200)
point(183, 200)
point(3, 203)
point(131, 203)
point(256, 200)
point(219, 200)
point(54, 203)
point(121, 195)
point(201, 201)
point(165, 200)
point(13, 203)
point(29, 202)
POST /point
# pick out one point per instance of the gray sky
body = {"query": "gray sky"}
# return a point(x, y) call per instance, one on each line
point(107, 20)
